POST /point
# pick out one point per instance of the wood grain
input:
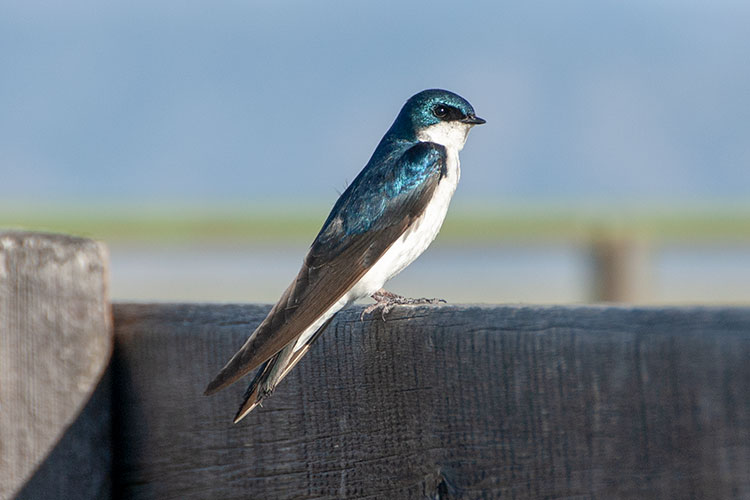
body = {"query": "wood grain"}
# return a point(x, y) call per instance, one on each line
point(441, 402)
point(55, 344)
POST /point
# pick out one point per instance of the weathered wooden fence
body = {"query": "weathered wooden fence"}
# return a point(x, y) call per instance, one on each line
point(436, 402)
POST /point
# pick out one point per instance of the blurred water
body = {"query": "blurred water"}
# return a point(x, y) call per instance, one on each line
point(491, 274)
point(702, 274)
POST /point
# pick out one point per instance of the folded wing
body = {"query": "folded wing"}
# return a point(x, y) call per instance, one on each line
point(368, 218)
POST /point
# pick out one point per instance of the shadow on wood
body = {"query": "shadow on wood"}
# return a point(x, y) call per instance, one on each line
point(441, 402)
point(79, 466)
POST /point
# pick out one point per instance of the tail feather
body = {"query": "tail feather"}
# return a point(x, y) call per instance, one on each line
point(254, 394)
point(272, 372)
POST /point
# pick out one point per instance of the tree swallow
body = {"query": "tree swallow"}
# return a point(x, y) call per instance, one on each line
point(384, 220)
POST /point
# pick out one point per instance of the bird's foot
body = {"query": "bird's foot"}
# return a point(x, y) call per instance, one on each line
point(385, 301)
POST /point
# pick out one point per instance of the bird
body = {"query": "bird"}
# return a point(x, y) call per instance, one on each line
point(380, 224)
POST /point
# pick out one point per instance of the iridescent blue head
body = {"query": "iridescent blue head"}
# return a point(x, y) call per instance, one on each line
point(436, 116)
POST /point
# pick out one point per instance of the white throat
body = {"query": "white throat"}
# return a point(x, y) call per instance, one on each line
point(452, 135)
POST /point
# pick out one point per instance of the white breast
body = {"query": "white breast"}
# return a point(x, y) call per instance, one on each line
point(416, 239)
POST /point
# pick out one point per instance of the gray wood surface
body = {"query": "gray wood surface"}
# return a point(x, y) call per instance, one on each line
point(55, 344)
point(441, 402)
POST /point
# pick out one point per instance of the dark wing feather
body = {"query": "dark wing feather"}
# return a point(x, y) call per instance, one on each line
point(370, 216)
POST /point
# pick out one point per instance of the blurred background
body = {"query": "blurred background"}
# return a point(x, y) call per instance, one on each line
point(206, 142)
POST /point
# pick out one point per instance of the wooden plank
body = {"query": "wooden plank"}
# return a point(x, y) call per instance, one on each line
point(441, 402)
point(55, 344)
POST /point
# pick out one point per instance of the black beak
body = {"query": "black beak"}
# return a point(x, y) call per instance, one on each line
point(473, 120)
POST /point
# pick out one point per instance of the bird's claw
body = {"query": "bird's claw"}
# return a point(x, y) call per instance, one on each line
point(386, 301)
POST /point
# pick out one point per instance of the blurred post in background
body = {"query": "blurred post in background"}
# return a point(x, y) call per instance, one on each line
point(620, 270)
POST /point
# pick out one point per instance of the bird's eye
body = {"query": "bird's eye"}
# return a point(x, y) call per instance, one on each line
point(440, 111)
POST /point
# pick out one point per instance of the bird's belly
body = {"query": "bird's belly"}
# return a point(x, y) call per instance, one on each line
point(404, 250)
point(402, 253)
point(415, 240)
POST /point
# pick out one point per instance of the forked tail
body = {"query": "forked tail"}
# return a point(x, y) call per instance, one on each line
point(272, 372)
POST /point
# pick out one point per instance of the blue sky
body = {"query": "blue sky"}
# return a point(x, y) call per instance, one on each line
point(244, 101)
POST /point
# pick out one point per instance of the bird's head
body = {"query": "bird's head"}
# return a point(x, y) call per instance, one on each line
point(437, 116)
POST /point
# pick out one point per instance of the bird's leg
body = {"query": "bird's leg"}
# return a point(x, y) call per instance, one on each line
point(385, 301)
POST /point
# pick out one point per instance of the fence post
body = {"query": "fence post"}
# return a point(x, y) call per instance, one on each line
point(620, 270)
point(55, 345)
